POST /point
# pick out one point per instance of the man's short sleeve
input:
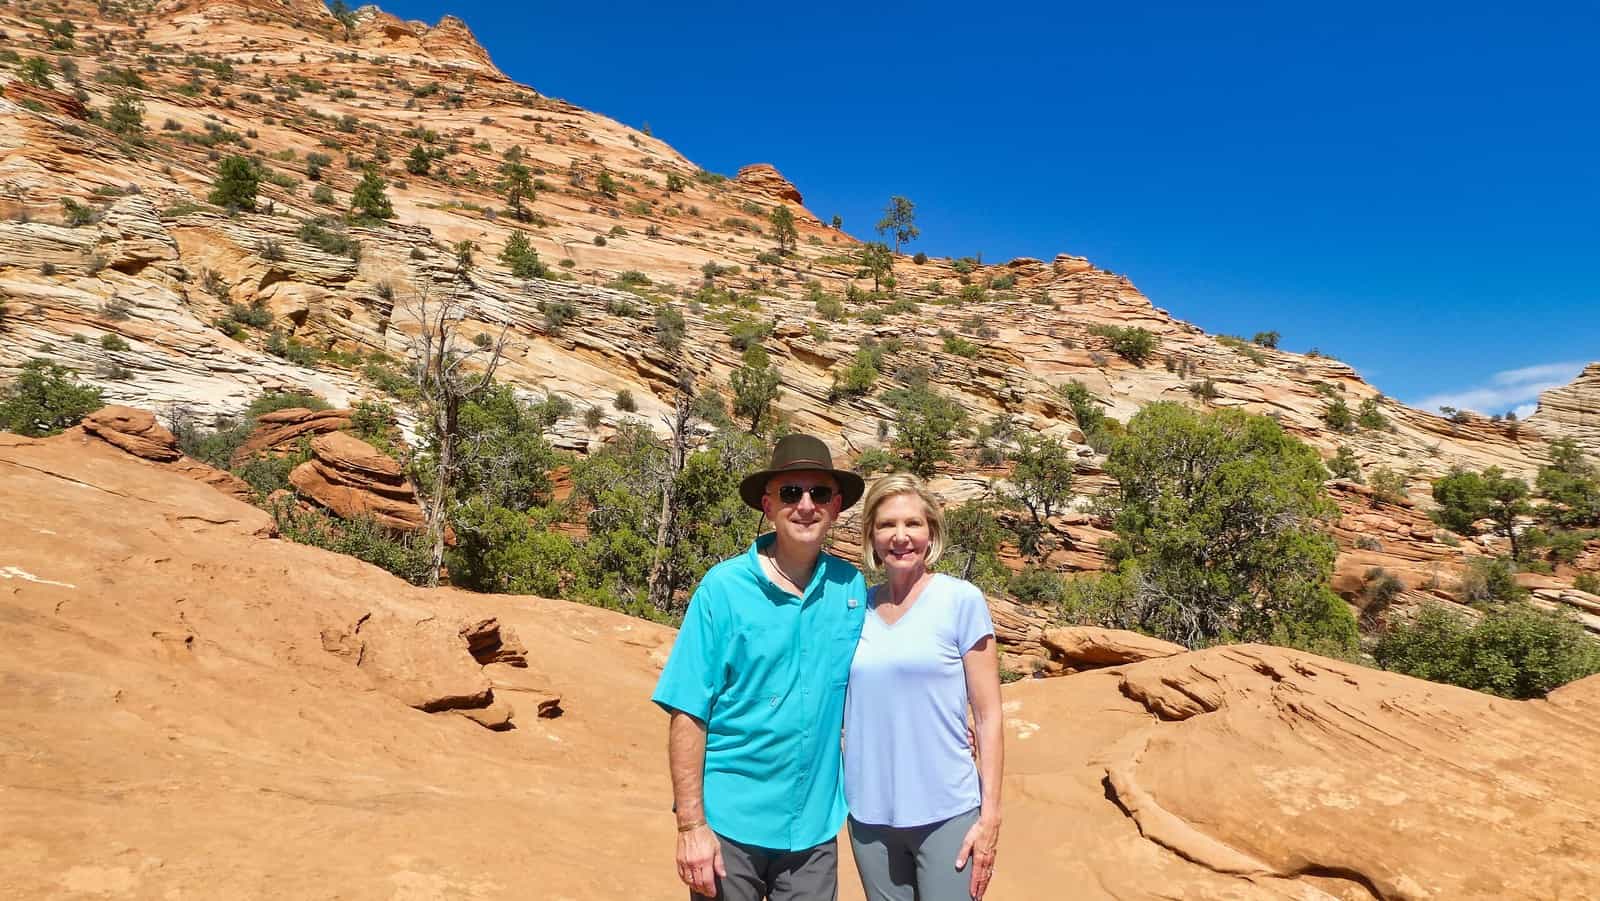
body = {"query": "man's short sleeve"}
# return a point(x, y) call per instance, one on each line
point(973, 622)
point(693, 674)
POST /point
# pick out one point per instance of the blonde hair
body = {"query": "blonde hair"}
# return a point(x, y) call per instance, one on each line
point(894, 486)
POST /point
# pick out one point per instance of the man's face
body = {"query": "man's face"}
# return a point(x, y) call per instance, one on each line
point(801, 520)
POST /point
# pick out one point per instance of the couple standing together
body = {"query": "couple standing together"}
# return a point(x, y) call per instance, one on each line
point(797, 696)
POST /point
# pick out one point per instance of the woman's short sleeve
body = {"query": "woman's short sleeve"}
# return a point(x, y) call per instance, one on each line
point(973, 621)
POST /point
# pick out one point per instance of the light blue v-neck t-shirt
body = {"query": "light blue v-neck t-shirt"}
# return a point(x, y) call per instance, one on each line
point(906, 757)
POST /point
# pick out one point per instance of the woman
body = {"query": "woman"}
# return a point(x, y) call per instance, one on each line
point(924, 817)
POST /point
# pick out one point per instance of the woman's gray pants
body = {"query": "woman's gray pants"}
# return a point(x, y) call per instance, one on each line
point(915, 863)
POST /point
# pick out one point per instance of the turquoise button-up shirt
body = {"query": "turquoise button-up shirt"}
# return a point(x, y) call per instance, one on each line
point(766, 671)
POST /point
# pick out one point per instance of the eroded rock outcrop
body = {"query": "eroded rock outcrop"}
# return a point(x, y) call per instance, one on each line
point(280, 431)
point(352, 479)
point(138, 433)
point(1573, 410)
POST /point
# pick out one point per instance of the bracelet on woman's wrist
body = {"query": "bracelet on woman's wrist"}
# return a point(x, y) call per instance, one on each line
point(688, 826)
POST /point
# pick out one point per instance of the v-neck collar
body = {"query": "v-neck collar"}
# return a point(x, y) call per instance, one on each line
point(911, 605)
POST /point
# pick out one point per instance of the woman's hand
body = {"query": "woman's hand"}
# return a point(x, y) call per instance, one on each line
point(700, 860)
point(980, 845)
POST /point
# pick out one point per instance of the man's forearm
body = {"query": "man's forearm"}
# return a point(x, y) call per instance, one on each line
point(686, 755)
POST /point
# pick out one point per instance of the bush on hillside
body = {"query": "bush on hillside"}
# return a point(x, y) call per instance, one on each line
point(44, 399)
point(1132, 343)
point(1514, 651)
point(407, 557)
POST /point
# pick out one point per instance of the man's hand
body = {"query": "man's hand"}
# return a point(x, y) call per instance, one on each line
point(700, 860)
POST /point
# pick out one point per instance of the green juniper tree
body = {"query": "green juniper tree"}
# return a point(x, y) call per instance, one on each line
point(369, 202)
point(755, 386)
point(238, 180)
point(783, 229)
point(1220, 520)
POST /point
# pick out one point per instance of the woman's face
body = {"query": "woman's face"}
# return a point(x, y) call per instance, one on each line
point(900, 534)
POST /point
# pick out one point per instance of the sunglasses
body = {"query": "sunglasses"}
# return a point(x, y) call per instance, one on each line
point(820, 494)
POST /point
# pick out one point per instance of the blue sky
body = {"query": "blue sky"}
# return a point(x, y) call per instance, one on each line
point(1414, 188)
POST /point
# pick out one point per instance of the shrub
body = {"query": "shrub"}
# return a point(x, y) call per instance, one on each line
point(961, 347)
point(113, 341)
point(324, 195)
point(370, 201)
point(1368, 416)
point(291, 349)
point(238, 180)
point(925, 424)
point(557, 313)
point(1132, 343)
point(1337, 416)
point(669, 328)
point(1085, 406)
point(919, 258)
point(330, 240)
point(858, 377)
point(1344, 465)
point(624, 401)
point(1489, 580)
point(599, 240)
point(44, 399)
point(1267, 339)
point(745, 333)
point(592, 417)
point(407, 557)
point(77, 214)
point(523, 259)
point(1514, 651)
point(1589, 582)
point(1204, 390)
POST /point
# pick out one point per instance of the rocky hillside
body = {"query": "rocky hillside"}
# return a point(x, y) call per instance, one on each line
point(115, 119)
point(193, 707)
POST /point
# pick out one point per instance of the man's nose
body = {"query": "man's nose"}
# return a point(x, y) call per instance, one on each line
point(806, 503)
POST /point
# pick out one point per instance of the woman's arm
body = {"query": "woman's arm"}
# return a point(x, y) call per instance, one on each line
point(982, 666)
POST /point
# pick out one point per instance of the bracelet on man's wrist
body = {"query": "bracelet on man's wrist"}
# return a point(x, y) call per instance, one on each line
point(688, 826)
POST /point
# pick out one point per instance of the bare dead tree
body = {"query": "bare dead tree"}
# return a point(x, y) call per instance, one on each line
point(661, 569)
point(447, 372)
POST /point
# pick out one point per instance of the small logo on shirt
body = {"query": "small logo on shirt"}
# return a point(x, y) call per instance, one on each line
point(853, 603)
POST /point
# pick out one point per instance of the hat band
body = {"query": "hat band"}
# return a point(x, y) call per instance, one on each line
point(793, 463)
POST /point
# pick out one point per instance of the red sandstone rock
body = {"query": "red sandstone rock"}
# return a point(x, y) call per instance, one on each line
point(764, 178)
point(135, 431)
point(1085, 647)
point(278, 432)
point(352, 479)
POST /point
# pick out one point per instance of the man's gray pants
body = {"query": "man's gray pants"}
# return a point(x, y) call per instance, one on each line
point(916, 863)
point(764, 874)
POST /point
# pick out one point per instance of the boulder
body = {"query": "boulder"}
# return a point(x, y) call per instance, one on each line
point(278, 431)
point(135, 431)
point(1086, 647)
point(352, 479)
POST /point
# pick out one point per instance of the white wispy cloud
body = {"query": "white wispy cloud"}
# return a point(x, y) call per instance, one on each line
point(1516, 389)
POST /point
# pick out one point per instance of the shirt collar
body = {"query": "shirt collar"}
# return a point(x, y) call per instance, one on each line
point(753, 559)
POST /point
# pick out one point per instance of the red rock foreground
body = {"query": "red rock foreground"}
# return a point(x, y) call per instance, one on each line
point(195, 710)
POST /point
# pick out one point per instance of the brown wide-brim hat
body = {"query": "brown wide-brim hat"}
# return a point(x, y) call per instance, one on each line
point(801, 453)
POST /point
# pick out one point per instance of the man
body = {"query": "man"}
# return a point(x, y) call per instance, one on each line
point(755, 688)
